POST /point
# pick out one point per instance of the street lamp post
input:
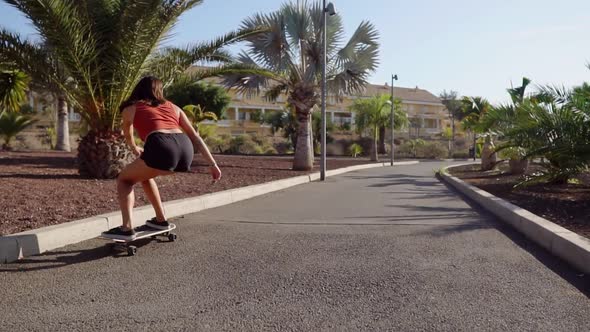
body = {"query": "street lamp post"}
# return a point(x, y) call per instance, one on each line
point(328, 10)
point(392, 143)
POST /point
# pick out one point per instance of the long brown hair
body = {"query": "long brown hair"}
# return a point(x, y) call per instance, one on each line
point(149, 89)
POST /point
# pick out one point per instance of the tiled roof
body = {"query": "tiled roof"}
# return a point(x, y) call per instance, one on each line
point(406, 94)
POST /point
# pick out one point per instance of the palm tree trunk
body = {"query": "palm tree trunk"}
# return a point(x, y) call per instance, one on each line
point(375, 147)
point(303, 160)
point(382, 149)
point(63, 130)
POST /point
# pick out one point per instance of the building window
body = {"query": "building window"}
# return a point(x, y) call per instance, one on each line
point(431, 123)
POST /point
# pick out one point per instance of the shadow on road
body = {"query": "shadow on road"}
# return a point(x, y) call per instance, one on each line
point(558, 266)
point(63, 258)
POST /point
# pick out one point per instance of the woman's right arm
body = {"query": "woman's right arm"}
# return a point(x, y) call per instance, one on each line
point(199, 144)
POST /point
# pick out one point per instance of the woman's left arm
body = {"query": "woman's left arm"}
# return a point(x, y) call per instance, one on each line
point(128, 115)
point(199, 144)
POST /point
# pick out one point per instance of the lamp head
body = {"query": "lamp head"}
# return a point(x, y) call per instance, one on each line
point(330, 9)
point(394, 77)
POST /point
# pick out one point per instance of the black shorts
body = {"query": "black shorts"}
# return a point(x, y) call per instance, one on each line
point(168, 152)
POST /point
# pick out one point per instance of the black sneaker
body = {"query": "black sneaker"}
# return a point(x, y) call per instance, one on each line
point(120, 234)
point(153, 223)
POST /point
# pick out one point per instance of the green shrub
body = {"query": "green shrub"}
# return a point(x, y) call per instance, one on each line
point(218, 143)
point(50, 137)
point(285, 147)
point(270, 150)
point(244, 144)
point(206, 131)
point(432, 150)
point(411, 148)
point(462, 154)
point(27, 109)
point(355, 150)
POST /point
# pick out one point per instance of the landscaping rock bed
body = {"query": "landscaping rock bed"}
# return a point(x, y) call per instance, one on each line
point(567, 205)
point(43, 188)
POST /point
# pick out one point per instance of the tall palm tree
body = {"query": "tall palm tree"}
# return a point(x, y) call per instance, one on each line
point(289, 57)
point(374, 113)
point(105, 47)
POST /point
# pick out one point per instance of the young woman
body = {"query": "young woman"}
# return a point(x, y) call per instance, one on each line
point(169, 139)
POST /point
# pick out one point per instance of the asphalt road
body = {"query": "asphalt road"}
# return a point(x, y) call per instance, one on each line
point(370, 250)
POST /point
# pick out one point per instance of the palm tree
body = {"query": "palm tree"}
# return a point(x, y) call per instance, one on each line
point(373, 113)
point(474, 110)
point(289, 59)
point(453, 106)
point(105, 47)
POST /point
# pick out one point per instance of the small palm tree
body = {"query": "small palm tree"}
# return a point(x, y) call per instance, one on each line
point(554, 124)
point(373, 113)
point(288, 58)
point(105, 47)
point(500, 119)
point(12, 123)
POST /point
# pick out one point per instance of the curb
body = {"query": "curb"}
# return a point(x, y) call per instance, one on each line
point(36, 241)
point(561, 242)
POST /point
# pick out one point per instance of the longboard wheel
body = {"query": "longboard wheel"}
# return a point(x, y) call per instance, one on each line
point(172, 237)
point(131, 250)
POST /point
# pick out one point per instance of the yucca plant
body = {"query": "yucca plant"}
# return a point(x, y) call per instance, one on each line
point(12, 123)
point(375, 112)
point(289, 59)
point(105, 47)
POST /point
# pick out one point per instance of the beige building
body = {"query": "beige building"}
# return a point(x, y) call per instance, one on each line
point(427, 114)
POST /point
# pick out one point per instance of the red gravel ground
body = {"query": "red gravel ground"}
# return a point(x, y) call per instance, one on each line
point(43, 188)
point(566, 205)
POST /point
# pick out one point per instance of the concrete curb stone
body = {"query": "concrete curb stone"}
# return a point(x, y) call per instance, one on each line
point(561, 242)
point(34, 242)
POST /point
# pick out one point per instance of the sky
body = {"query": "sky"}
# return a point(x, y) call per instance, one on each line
point(475, 47)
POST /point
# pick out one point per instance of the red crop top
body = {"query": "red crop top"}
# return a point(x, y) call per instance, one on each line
point(150, 118)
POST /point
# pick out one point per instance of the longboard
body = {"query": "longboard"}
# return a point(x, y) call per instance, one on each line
point(141, 232)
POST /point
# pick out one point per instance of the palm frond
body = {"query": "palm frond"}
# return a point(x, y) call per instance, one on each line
point(13, 87)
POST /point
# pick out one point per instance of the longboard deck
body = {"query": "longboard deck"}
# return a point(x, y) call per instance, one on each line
point(142, 232)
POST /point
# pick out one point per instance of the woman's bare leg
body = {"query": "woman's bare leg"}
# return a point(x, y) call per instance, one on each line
point(153, 194)
point(133, 173)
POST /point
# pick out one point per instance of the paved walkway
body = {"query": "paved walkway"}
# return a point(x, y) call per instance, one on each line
point(370, 250)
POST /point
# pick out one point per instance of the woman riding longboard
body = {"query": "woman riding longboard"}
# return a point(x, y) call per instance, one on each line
point(169, 144)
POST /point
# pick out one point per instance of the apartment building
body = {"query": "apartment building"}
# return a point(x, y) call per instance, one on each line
point(426, 113)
